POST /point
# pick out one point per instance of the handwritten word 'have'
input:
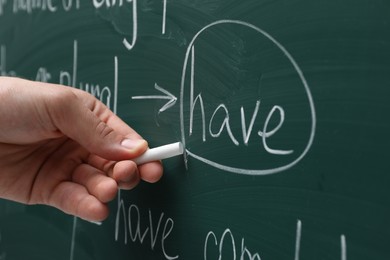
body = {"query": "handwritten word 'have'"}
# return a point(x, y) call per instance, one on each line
point(137, 229)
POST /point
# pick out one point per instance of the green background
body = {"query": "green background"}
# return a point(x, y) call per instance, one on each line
point(338, 189)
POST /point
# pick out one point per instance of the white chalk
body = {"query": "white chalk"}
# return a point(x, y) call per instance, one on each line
point(160, 153)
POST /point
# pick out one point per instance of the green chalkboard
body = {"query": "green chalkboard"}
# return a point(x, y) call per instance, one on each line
point(283, 108)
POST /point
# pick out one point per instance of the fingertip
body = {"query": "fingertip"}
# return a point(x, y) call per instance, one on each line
point(74, 199)
point(103, 187)
point(95, 211)
point(88, 208)
point(151, 172)
point(126, 174)
point(107, 190)
point(129, 184)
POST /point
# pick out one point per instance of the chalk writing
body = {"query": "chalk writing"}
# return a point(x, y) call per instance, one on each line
point(30, 6)
point(68, 4)
point(215, 130)
point(108, 95)
point(128, 45)
point(225, 243)
point(164, 19)
point(298, 240)
point(343, 243)
point(225, 247)
point(137, 229)
point(73, 239)
point(168, 96)
point(265, 134)
point(108, 4)
point(343, 247)
point(65, 75)
point(103, 93)
point(52, 6)
point(43, 75)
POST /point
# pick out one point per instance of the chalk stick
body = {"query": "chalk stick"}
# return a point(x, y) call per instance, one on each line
point(160, 153)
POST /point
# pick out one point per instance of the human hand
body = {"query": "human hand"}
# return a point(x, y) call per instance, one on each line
point(62, 147)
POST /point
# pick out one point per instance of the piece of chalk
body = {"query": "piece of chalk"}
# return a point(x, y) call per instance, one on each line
point(160, 153)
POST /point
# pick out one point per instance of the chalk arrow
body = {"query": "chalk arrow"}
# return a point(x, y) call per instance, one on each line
point(171, 98)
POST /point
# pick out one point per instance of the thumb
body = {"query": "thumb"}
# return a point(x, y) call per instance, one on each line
point(87, 121)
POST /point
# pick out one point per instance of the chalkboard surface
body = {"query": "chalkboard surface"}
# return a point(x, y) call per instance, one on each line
point(282, 106)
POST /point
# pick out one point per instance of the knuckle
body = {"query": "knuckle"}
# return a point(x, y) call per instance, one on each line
point(60, 102)
point(64, 97)
point(104, 130)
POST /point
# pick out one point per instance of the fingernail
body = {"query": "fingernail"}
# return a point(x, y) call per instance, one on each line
point(133, 144)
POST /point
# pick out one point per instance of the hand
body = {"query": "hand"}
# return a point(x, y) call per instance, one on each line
point(62, 147)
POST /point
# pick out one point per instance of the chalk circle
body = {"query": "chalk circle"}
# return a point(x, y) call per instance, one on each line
point(254, 172)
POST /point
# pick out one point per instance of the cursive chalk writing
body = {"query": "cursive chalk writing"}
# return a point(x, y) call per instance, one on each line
point(227, 242)
point(137, 229)
point(215, 130)
point(225, 247)
point(30, 6)
point(103, 93)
